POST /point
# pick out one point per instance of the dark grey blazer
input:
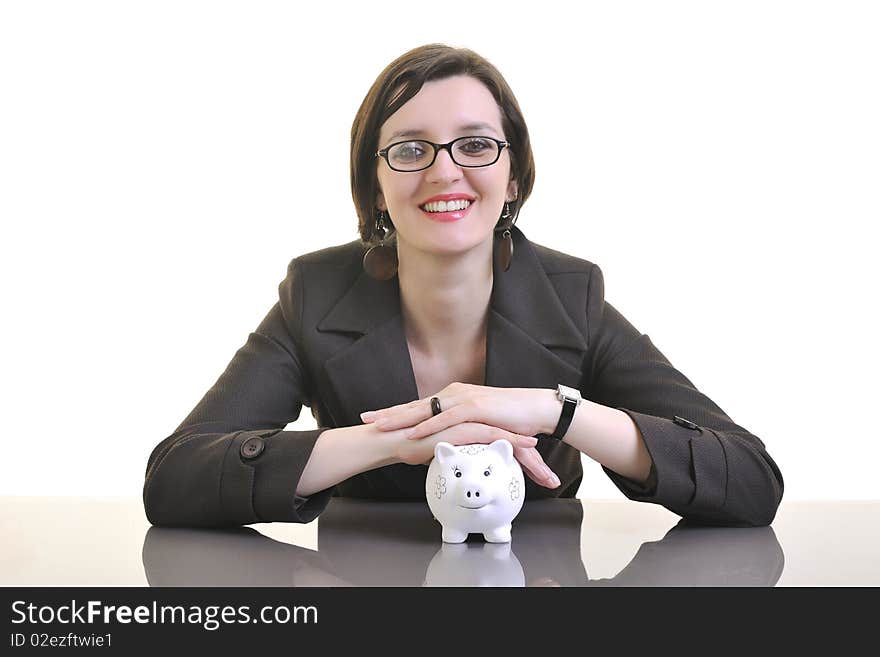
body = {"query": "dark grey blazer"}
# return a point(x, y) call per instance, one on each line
point(335, 342)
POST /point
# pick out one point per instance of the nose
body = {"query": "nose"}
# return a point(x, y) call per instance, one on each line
point(444, 170)
point(475, 491)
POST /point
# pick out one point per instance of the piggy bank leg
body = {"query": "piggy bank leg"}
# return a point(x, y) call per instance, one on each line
point(451, 535)
point(498, 535)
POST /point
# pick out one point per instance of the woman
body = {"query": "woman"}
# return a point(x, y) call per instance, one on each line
point(451, 327)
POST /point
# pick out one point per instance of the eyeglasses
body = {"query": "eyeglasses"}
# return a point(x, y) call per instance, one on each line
point(470, 152)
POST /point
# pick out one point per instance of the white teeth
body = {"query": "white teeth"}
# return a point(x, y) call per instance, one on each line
point(446, 206)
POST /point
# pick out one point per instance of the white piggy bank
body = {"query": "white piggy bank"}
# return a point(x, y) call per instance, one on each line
point(475, 489)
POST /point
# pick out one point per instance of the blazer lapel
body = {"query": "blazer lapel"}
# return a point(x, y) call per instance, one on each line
point(375, 370)
point(531, 340)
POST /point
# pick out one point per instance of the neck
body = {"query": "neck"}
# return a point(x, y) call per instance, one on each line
point(445, 299)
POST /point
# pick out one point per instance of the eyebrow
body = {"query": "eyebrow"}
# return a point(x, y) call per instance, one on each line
point(420, 133)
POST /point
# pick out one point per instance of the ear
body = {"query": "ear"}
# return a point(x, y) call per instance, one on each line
point(380, 201)
point(512, 190)
point(443, 452)
point(504, 449)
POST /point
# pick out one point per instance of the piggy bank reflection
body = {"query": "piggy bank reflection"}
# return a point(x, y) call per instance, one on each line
point(475, 489)
point(475, 565)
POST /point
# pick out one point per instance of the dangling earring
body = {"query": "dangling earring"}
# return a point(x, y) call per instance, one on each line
point(504, 250)
point(380, 261)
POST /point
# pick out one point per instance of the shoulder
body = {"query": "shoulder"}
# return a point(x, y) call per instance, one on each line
point(335, 256)
point(341, 261)
point(557, 262)
point(319, 277)
point(566, 271)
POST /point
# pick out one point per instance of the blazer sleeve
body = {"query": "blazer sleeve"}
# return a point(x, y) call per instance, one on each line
point(230, 462)
point(706, 468)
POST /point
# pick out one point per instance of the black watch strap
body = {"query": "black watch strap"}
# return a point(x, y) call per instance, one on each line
point(568, 406)
point(570, 398)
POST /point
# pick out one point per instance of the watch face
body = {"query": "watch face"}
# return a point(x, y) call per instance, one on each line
point(569, 393)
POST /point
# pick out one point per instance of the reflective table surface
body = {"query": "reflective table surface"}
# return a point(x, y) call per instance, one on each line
point(79, 541)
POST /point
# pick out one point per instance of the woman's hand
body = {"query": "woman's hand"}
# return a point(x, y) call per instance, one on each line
point(475, 414)
point(525, 411)
point(417, 452)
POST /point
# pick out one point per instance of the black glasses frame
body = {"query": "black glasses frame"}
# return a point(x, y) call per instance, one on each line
point(383, 152)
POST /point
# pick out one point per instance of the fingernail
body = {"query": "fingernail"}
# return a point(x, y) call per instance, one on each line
point(366, 416)
point(554, 480)
point(532, 442)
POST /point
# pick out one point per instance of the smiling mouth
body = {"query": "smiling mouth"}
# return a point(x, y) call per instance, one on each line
point(458, 204)
point(473, 508)
point(447, 210)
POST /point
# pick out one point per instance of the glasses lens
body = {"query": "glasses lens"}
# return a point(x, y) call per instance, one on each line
point(474, 151)
point(410, 155)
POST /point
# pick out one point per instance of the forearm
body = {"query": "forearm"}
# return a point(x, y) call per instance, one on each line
point(342, 453)
point(605, 434)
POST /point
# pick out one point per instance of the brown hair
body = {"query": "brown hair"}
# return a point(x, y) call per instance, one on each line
point(401, 80)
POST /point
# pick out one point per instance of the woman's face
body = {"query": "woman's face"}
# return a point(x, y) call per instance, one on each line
point(443, 110)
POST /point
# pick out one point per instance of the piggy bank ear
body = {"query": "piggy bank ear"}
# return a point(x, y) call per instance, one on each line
point(504, 449)
point(443, 452)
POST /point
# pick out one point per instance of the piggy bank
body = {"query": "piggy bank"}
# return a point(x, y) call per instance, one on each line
point(475, 489)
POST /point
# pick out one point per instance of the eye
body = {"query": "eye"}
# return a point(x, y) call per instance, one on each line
point(408, 151)
point(487, 473)
point(475, 146)
point(458, 473)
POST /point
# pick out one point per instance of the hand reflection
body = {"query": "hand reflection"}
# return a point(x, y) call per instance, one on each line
point(705, 556)
point(365, 543)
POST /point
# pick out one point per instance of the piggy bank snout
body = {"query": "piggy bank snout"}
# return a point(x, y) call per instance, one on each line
point(472, 492)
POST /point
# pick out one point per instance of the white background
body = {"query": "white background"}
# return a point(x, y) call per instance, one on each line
point(161, 163)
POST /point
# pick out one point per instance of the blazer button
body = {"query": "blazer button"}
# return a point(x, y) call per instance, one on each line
point(687, 424)
point(252, 447)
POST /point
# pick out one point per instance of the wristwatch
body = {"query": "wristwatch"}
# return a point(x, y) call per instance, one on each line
point(571, 399)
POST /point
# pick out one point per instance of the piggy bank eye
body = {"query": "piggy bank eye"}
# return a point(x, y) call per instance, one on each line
point(458, 473)
point(487, 473)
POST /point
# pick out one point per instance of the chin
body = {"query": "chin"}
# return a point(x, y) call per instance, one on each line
point(454, 244)
point(447, 238)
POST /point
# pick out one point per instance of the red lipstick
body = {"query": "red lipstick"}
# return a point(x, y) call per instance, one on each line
point(447, 197)
point(451, 215)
